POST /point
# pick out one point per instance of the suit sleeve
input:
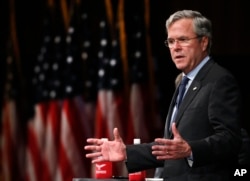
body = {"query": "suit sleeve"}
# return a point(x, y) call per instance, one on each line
point(139, 157)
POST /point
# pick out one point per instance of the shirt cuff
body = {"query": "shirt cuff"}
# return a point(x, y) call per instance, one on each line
point(190, 160)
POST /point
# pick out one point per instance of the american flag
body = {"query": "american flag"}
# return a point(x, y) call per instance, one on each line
point(111, 103)
point(61, 116)
point(110, 84)
point(35, 143)
point(46, 84)
point(139, 91)
point(77, 109)
point(12, 138)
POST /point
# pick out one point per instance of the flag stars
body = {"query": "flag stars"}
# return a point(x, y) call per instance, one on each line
point(57, 39)
point(137, 54)
point(114, 43)
point(103, 42)
point(71, 30)
point(68, 39)
point(55, 66)
point(84, 55)
point(113, 82)
point(69, 59)
point(113, 62)
point(84, 16)
point(41, 77)
point(102, 24)
point(52, 94)
point(86, 44)
point(101, 73)
point(68, 89)
point(37, 69)
point(88, 83)
point(138, 35)
point(100, 54)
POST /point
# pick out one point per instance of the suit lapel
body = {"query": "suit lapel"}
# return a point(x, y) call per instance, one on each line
point(194, 88)
point(169, 115)
point(190, 95)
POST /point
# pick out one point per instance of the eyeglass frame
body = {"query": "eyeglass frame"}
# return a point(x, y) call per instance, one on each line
point(179, 40)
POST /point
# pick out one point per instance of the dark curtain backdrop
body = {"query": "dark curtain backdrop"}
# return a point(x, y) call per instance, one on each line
point(231, 38)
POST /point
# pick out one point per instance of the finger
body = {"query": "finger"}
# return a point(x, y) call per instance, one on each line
point(98, 159)
point(160, 141)
point(92, 148)
point(93, 155)
point(116, 133)
point(92, 140)
point(160, 152)
point(164, 157)
point(89, 147)
point(175, 131)
point(158, 147)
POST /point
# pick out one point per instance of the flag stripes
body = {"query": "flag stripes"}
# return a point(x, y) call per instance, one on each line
point(71, 162)
point(9, 139)
point(52, 133)
point(35, 143)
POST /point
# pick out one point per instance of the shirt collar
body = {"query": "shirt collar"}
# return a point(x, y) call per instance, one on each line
point(191, 75)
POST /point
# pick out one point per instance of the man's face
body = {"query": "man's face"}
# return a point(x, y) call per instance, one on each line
point(186, 48)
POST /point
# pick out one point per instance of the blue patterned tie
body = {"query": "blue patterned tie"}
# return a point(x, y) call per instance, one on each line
point(181, 90)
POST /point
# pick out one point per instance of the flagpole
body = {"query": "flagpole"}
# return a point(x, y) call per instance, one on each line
point(16, 53)
point(110, 17)
point(65, 13)
point(14, 107)
point(13, 36)
point(50, 3)
point(150, 58)
point(123, 46)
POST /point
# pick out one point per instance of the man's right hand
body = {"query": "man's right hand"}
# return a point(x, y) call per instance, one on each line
point(102, 150)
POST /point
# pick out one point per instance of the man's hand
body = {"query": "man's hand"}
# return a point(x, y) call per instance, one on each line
point(171, 149)
point(106, 150)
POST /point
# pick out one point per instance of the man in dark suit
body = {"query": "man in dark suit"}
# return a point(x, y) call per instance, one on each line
point(202, 135)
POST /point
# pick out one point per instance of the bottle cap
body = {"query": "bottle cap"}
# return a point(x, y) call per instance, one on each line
point(137, 140)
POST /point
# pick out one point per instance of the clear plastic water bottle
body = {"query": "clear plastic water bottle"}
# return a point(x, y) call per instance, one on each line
point(137, 176)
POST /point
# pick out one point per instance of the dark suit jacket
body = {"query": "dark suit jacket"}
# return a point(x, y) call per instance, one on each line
point(209, 120)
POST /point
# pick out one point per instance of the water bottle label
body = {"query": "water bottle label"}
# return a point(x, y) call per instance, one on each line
point(103, 170)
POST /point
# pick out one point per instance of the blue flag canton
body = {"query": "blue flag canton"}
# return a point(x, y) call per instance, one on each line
point(47, 78)
point(11, 84)
point(110, 72)
point(137, 51)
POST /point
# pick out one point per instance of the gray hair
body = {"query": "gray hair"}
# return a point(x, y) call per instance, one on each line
point(202, 25)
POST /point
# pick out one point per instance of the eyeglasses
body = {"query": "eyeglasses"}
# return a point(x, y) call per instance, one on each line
point(182, 41)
